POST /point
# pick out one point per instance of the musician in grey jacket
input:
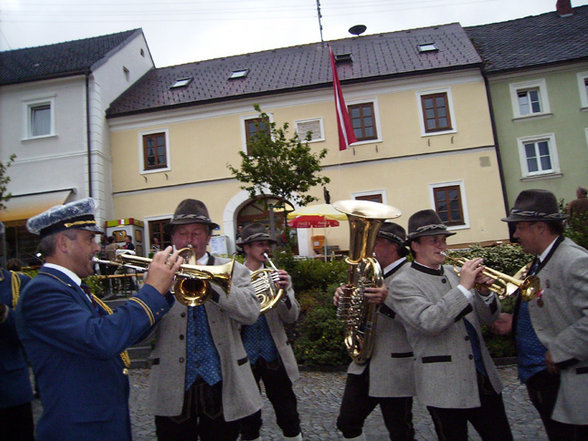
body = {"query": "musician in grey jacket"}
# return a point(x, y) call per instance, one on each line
point(454, 374)
point(201, 383)
point(387, 379)
point(551, 330)
point(270, 352)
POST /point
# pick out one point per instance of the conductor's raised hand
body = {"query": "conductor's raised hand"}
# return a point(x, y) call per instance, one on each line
point(162, 270)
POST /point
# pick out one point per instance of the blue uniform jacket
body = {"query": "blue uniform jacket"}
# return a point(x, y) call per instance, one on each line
point(75, 354)
point(15, 385)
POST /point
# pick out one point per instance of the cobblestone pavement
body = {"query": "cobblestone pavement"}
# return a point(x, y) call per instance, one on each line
point(319, 395)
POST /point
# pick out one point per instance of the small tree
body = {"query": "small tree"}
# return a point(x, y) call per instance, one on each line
point(4, 180)
point(278, 165)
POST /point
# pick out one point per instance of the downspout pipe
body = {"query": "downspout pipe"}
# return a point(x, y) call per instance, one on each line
point(88, 135)
point(496, 146)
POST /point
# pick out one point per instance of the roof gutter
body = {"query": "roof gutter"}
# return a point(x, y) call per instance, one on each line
point(88, 134)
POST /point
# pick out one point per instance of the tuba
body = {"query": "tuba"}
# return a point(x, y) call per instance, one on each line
point(357, 313)
point(264, 283)
point(192, 286)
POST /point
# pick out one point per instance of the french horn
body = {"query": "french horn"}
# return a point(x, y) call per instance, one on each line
point(265, 284)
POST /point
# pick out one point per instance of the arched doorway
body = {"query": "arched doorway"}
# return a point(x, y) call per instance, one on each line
point(268, 210)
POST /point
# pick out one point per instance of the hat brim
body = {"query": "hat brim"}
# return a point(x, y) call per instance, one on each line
point(428, 233)
point(518, 218)
point(170, 226)
point(241, 243)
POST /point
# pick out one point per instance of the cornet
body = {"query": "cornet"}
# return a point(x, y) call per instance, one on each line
point(265, 284)
point(505, 285)
point(192, 286)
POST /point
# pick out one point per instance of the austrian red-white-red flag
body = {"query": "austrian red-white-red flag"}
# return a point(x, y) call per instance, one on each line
point(346, 135)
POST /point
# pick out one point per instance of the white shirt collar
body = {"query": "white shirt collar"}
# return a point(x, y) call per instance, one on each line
point(546, 251)
point(394, 265)
point(73, 276)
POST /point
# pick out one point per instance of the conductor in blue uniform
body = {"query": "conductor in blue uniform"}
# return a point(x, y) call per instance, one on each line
point(73, 341)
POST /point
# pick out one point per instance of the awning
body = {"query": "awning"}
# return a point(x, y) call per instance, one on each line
point(22, 207)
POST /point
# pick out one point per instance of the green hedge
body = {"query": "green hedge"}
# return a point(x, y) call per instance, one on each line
point(317, 336)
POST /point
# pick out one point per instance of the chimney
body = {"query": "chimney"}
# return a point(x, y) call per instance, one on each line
point(564, 8)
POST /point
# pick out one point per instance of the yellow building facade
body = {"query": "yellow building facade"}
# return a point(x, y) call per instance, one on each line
point(403, 165)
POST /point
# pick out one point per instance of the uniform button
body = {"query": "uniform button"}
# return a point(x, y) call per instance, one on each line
point(470, 356)
point(466, 338)
point(181, 360)
point(183, 314)
point(444, 280)
point(181, 336)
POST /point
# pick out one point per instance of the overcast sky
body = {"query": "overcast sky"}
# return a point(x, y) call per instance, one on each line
point(182, 31)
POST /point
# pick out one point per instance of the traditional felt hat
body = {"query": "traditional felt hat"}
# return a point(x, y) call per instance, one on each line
point(395, 234)
point(190, 211)
point(535, 205)
point(253, 233)
point(426, 223)
point(77, 215)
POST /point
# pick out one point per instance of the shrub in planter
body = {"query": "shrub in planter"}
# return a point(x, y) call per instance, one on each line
point(320, 338)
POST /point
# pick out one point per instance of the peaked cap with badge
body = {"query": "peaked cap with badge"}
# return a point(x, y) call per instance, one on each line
point(190, 211)
point(254, 232)
point(535, 206)
point(77, 215)
point(425, 223)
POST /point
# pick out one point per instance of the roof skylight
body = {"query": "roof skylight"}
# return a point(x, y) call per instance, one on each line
point(240, 73)
point(343, 58)
point(427, 47)
point(182, 82)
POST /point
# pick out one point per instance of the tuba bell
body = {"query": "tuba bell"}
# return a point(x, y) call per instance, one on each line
point(357, 313)
point(265, 283)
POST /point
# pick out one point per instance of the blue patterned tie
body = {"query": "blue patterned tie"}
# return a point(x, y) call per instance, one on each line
point(191, 370)
point(475, 342)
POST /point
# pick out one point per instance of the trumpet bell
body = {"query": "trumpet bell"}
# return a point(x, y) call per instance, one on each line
point(192, 287)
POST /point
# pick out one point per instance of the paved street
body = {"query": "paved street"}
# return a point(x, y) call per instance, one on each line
point(319, 395)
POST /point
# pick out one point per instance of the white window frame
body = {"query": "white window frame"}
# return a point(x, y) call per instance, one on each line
point(167, 152)
point(582, 78)
point(447, 91)
point(539, 84)
point(302, 136)
point(374, 102)
point(382, 193)
point(550, 138)
point(464, 201)
point(244, 132)
point(28, 106)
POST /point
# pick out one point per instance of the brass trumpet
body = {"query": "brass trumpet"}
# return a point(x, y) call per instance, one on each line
point(265, 284)
point(505, 285)
point(192, 286)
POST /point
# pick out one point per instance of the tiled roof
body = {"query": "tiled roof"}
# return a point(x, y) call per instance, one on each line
point(57, 60)
point(299, 67)
point(532, 41)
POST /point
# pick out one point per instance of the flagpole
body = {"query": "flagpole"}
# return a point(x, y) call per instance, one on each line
point(318, 11)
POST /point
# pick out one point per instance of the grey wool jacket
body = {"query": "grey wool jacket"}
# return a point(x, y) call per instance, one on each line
point(433, 309)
